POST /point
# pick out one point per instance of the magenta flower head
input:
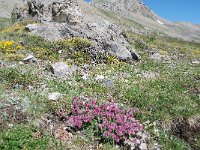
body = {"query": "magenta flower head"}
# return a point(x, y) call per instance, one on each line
point(93, 102)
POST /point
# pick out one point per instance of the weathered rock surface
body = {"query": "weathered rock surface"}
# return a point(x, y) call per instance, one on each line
point(49, 10)
point(64, 19)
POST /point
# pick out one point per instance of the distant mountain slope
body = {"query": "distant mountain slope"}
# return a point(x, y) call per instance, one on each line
point(139, 12)
point(125, 7)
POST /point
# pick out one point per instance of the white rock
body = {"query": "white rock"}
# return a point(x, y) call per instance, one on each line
point(99, 77)
point(85, 77)
point(21, 63)
point(60, 52)
point(54, 96)
point(156, 146)
point(31, 27)
point(30, 58)
point(143, 146)
point(195, 62)
point(156, 56)
point(1, 62)
point(10, 125)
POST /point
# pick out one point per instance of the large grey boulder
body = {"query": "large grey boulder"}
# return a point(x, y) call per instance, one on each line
point(63, 19)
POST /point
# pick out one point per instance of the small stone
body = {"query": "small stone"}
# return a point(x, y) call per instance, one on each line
point(156, 146)
point(143, 146)
point(108, 83)
point(21, 43)
point(54, 96)
point(117, 146)
point(195, 62)
point(10, 125)
point(30, 87)
point(85, 77)
point(118, 50)
point(31, 27)
point(85, 66)
point(156, 56)
point(30, 58)
point(60, 52)
point(21, 63)
point(99, 77)
point(17, 86)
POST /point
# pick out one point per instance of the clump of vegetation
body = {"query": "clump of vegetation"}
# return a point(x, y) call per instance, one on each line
point(11, 50)
point(171, 142)
point(73, 48)
point(108, 120)
point(13, 76)
point(79, 43)
point(112, 59)
point(22, 137)
point(14, 28)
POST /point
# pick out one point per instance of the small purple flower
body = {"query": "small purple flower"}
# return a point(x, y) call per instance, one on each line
point(117, 139)
point(111, 127)
point(106, 133)
point(96, 111)
point(93, 102)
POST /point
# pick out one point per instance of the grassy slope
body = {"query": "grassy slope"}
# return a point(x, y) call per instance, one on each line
point(170, 96)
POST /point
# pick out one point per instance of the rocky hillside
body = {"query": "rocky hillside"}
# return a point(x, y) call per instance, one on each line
point(110, 75)
point(142, 14)
point(135, 11)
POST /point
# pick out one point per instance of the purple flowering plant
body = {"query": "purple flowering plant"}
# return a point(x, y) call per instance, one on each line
point(112, 122)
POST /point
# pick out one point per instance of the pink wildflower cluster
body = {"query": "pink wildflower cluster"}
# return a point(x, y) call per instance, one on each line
point(113, 122)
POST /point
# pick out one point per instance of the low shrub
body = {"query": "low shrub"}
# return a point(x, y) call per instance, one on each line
point(10, 50)
point(22, 137)
point(109, 121)
point(13, 76)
